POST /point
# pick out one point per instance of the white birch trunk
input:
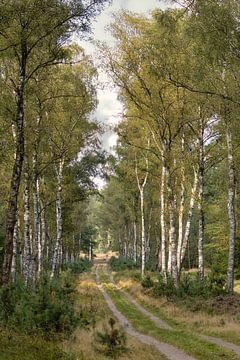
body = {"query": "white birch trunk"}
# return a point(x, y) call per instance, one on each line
point(181, 209)
point(143, 232)
point(231, 210)
point(27, 258)
point(14, 257)
point(200, 205)
point(141, 191)
point(172, 231)
point(149, 234)
point(43, 230)
point(90, 252)
point(55, 260)
point(135, 241)
point(189, 219)
point(162, 221)
point(169, 267)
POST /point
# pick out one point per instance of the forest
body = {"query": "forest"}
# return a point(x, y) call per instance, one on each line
point(147, 267)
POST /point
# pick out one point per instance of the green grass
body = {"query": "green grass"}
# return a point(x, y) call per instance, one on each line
point(190, 343)
point(14, 346)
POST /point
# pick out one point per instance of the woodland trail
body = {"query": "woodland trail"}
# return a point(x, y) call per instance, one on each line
point(159, 322)
point(170, 351)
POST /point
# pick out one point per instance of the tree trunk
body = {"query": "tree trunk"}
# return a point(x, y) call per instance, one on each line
point(135, 241)
point(141, 191)
point(15, 248)
point(55, 260)
point(162, 221)
point(11, 216)
point(189, 220)
point(43, 229)
point(36, 221)
point(181, 208)
point(200, 206)
point(143, 232)
point(231, 210)
point(172, 231)
point(27, 257)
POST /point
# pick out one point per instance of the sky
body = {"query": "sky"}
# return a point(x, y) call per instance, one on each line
point(109, 108)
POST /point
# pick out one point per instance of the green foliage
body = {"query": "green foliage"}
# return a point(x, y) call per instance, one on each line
point(147, 282)
point(112, 341)
point(190, 286)
point(15, 346)
point(121, 263)
point(48, 308)
point(78, 267)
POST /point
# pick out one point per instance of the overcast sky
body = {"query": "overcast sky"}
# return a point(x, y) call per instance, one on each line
point(109, 108)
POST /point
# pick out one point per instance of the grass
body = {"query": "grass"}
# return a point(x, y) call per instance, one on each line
point(14, 346)
point(190, 343)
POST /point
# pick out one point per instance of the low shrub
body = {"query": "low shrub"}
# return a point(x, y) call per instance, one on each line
point(15, 346)
point(190, 286)
point(121, 263)
point(46, 308)
point(147, 282)
point(79, 266)
point(111, 341)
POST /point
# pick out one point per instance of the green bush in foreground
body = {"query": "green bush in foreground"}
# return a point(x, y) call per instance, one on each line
point(121, 263)
point(189, 286)
point(46, 308)
point(79, 266)
point(16, 346)
point(112, 341)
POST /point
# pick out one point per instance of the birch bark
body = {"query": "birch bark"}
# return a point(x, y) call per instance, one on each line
point(231, 209)
point(162, 220)
point(200, 205)
point(56, 253)
point(172, 230)
point(11, 216)
point(27, 258)
point(141, 191)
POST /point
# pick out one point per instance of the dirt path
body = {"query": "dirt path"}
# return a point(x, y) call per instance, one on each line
point(223, 343)
point(170, 351)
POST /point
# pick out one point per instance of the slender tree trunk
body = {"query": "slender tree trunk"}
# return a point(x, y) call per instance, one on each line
point(43, 229)
point(162, 221)
point(200, 206)
point(36, 222)
point(11, 216)
point(90, 252)
point(181, 208)
point(27, 258)
point(14, 257)
point(231, 209)
point(143, 232)
point(189, 220)
point(169, 267)
point(172, 231)
point(135, 241)
point(141, 191)
point(148, 248)
point(55, 260)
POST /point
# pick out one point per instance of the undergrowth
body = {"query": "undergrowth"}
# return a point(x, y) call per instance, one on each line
point(47, 308)
point(121, 263)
